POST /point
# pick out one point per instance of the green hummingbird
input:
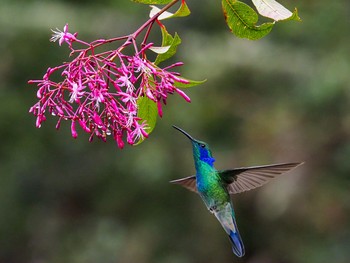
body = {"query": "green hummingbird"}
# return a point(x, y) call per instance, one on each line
point(215, 186)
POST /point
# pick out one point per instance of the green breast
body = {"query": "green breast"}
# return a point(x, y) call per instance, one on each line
point(209, 184)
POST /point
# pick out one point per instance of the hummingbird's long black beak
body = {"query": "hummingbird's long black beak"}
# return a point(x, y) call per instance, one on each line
point(182, 131)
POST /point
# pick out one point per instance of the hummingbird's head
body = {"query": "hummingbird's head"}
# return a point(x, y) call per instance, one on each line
point(201, 150)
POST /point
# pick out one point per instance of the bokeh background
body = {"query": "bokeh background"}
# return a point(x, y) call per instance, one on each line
point(280, 99)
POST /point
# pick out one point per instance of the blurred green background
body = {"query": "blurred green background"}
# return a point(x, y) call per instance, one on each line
point(284, 98)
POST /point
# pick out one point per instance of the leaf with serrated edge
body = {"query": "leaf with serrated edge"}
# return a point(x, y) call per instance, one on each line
point(272, 9)
point(242, 19)
point(147, 111)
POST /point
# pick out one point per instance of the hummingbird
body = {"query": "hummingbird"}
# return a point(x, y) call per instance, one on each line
point(215, 186)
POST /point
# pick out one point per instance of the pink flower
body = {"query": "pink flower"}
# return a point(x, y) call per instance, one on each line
point(64, 36)
point(76, 93)
point(73, 130)
point(100, 91)
point(138, 133)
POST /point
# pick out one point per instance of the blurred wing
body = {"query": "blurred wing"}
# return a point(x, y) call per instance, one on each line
point(187, 182)
point(247, 178)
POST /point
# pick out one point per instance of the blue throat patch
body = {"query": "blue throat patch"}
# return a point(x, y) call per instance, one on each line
point(204, 156)
point(209, 161)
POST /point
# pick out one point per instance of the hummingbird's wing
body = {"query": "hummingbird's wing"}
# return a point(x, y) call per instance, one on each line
point(187, 182)
point(242, 179)
point(247, 178)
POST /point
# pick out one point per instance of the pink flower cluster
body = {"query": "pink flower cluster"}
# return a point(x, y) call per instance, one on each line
point(100, 91)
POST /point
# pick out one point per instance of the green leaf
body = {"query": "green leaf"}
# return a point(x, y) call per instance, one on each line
point(190, 83)
point(168, 40)
point(242, 19)
point(156, 2)
point(274, 10)
point(294, 16)
point(147, 111)
point(181, 12)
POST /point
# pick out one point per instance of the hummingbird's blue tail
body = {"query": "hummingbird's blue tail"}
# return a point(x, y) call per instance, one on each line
point(226, 217)
point(237, 244)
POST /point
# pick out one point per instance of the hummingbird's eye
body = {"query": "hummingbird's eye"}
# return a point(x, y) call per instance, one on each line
point(202, 145)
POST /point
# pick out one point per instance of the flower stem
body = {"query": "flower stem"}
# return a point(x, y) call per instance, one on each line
point(153, 18)
point(129, 39)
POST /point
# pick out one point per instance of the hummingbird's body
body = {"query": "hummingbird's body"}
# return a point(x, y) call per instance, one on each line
point(215, 187)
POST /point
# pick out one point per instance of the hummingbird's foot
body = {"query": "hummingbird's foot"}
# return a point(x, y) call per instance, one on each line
point(213, 209)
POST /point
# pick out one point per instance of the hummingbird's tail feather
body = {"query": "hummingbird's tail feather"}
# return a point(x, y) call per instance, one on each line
point(237, 244)
point(226, 217)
